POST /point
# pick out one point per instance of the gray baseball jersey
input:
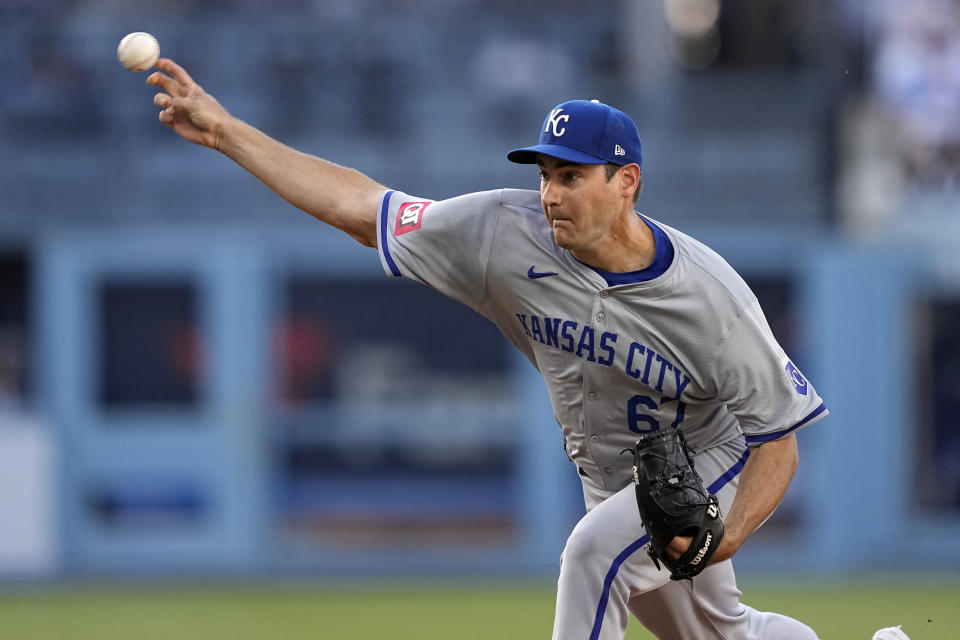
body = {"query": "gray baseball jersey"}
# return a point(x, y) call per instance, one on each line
point(687, 347)
point(690, 349)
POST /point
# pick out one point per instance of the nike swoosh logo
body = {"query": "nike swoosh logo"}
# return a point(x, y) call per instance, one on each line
point(533, 275)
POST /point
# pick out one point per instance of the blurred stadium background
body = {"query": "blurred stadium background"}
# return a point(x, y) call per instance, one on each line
point(199, 384)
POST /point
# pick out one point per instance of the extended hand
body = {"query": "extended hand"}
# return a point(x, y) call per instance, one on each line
point(187, 108)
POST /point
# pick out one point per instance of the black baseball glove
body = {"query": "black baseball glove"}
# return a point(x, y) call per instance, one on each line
point(673, 502)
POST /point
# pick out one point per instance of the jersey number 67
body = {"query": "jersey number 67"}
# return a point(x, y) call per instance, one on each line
point(641, 422)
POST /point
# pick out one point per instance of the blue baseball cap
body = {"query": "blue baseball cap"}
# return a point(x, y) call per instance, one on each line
point(585, 132)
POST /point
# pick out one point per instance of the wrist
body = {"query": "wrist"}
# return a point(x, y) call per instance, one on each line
point(227, 134)
point(240, 141)
point(733, 532)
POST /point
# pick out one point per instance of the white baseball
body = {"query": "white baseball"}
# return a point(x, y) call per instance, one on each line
point(138, 51)
point(891, 633)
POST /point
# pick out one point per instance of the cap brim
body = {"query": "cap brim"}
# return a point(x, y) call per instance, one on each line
point(528, 155)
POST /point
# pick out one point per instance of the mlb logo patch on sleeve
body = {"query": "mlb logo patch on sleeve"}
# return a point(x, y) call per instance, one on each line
point(409, 217)
point(799, 382)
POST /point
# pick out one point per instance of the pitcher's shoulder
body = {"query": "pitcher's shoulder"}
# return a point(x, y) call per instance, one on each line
point(708, 267)
point(522, 199)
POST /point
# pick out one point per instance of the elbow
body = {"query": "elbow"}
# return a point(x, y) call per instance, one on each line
point(795, 449)
point(361, 225)
point(365, 234)
point(793, 463)
point(782, 454)
point(791, 454)
point(366, 241)
point(362, 228)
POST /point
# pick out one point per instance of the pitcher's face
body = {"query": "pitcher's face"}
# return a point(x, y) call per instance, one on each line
point(580, 203)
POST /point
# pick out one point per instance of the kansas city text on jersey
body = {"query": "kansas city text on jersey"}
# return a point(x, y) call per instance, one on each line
point(582, 340)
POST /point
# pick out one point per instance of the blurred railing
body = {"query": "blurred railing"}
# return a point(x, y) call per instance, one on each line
point(415, 467)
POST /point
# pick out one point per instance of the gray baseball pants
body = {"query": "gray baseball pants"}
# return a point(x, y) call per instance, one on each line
point(606, 574)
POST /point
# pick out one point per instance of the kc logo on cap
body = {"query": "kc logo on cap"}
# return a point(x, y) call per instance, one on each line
point(553, 122)
point(585, 132)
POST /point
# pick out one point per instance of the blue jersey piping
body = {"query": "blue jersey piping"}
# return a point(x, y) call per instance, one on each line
point(774, 435)
point(384, 245)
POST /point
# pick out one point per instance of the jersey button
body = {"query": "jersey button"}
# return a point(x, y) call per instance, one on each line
point(608, 471)
point(601, 316)
point(591, 396)
point(604, 294)
point(594, 438)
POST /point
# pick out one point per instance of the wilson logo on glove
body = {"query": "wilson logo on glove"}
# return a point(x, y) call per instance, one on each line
point(703, 550)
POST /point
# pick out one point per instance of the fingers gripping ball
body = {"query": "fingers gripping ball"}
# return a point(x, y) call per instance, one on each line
point(138, 51)
point(673, 502)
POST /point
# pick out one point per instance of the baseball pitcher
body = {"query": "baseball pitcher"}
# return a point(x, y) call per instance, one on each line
point(678, 408)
